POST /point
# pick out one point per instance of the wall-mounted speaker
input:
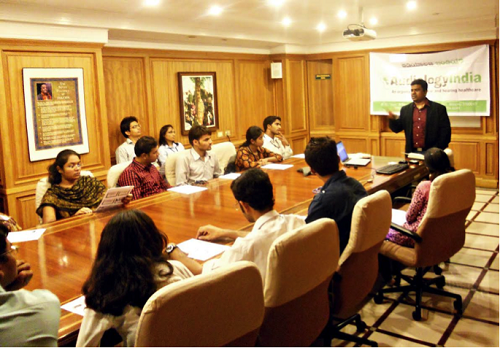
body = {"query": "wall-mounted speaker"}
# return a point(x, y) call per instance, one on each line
point(276, 71)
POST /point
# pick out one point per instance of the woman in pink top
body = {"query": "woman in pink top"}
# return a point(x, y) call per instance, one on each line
point(437, 163)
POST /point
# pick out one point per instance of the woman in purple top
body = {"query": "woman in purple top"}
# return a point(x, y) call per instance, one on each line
point(437, 163)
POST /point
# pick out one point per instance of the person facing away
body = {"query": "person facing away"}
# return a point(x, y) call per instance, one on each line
point(438, 163)
point(130, 266)
point(71, 193)
point(199, 163)
point(27, 318)
point(141, 173)
point(251, 154)
point(425, 123)
point(339, 194)
point(274, 140)
point(131, 130)
point(254, 192)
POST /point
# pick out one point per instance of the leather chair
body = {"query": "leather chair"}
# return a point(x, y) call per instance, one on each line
point(441, 234)
point(168, 168)
point(300, 266)
point(114, 173)
point(358, 265)
point(223, 307)
point(224, 151)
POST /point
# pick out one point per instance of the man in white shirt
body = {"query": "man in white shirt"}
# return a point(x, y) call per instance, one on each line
point(131, 130)
point(254, 192)
point(198, 164)
point(274, 140)
point(27, 318)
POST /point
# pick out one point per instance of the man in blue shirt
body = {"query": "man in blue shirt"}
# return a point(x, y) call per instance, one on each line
point(339, 194)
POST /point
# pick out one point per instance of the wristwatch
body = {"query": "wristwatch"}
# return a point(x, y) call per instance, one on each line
point(170, 248)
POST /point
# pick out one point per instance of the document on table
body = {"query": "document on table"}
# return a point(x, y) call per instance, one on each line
point(230, 176)
point(114, 197)
point(201, 250)
point(300, 155)
point(398, 217)
point(76, 306)
point(277, 166)
point(25, 236)
point(187, 189)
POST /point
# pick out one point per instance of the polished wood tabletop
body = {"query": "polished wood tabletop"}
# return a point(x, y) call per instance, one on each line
point(62, 258)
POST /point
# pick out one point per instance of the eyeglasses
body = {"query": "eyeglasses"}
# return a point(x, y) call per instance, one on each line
point(13, 250)
point(73, 166)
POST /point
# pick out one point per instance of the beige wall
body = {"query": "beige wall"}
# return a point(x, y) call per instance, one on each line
point(122, 82)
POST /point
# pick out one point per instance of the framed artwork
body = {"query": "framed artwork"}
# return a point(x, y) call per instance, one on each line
point(55, 111)
point(198, 100)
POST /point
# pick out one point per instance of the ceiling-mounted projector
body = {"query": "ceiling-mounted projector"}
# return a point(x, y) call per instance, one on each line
point(358, 32)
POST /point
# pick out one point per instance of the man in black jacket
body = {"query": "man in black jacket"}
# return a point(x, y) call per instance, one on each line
point(426, 123)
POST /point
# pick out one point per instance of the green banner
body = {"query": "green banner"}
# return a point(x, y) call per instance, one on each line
point(458, 106)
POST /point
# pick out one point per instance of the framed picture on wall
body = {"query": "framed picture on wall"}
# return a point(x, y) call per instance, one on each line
point(198, 100)
point(55, 111)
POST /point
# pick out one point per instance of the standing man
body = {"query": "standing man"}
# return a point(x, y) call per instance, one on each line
point(339, 194)
point(426, 123)
point(27, 318)
point(254, 192)
point(274, 140)
point(131, 130)
point(199, 163)
point(141, 173)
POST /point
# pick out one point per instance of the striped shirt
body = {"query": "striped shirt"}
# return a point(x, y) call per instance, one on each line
point(145, 178)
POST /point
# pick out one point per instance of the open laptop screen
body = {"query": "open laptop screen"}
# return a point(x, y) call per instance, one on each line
point(342, 152)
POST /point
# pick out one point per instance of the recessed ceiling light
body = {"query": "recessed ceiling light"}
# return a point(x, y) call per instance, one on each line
point(276, 3)
point(215, 10)
point(342, 14)
point(373, 21)
point(151, 2)
point(321, 27)
point(411, 5)
point(286, 21)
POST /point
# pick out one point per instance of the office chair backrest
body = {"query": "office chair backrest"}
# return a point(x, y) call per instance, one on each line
point(358, 265)
point(169, 166)
point(114, 173)
point(224, 151)
point(223, 307)
point(451, 157)
point(299, 269)
point(443, 225)
point(43, 185)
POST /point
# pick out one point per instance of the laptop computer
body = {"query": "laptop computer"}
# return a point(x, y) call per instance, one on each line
point(344, 158)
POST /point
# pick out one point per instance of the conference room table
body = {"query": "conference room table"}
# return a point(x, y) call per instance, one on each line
point(62, 258)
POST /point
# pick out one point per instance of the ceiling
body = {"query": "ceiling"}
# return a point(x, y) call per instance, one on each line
point(256, 24)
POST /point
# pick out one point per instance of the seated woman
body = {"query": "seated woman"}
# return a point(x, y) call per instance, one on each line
point(130, 266)
point(437, 163)
point(70, 193)
point(251, 154)
point(167, 143)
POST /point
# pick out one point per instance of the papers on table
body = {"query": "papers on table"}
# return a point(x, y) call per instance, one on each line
point(114, 197)
point(398, 217)
point(25, 236)
point(277, 166)
point(300, 155)
point(230, 176)
point(360, 155)
point(417, 156)
point(76, 306)
point(201, 250)
point(187, 189)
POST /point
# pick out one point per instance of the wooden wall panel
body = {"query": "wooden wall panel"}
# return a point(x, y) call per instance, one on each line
point(355, 145)
point(254, 94)
point(25, 211)
point(166, 95)
point(466, 155)
point(320, 96)
point(125, 83)
point(298, 144)
point(351, 95)
point(491, 165)
point(393, 147)
point(296, 95)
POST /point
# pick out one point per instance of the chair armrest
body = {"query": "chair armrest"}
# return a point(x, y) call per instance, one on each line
point(402, 199)
point(407, 232)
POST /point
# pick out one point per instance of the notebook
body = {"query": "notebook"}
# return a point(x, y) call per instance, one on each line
point(350, 161)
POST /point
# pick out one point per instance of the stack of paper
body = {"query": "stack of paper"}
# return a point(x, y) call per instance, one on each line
point(277, 166)
point(201, 250)
point(187, 189)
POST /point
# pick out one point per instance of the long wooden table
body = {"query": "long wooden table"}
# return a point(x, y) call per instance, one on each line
point(62, 258)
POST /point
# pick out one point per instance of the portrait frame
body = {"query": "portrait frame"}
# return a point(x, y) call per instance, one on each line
point(54, 101)
point(198, 100)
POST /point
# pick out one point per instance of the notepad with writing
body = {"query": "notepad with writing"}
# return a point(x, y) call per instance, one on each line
point(201, 250)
